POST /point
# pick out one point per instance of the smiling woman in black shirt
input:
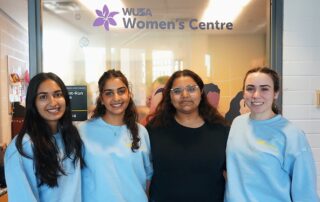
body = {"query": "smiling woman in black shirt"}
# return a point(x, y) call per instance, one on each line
point(188, 139)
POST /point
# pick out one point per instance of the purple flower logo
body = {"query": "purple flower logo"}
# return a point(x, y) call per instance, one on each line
point(105, 18)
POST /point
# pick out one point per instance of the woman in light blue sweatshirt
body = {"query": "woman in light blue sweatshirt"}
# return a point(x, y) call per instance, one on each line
point(43, 162)
point(117, 148)
point(268, 158)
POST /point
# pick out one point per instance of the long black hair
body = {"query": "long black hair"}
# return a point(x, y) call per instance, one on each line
point(275, 79)
point(165, 111)
point(45, 152)
point(130, 117)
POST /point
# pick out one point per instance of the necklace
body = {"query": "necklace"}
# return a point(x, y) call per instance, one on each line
point(115, 129)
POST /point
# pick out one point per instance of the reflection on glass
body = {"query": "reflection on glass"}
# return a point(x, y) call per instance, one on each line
point(94, 63)
point(207, 63)
point(132, 65)
point(225, 10)
point(162, 63)
point(73, 46)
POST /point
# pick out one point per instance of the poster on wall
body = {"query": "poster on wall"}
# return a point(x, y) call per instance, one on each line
point(78, 99)
point(18, 74)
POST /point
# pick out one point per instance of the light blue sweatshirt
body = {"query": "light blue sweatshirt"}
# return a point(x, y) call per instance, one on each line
point(114, 173)
point(22, 182)
point(269, 160)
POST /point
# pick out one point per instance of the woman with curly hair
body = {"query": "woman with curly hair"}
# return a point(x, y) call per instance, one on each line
point(43, 162)
point(117, 148)
point(188, 138)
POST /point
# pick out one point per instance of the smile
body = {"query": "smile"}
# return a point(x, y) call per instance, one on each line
point(54, 110)
point(256, 103)
point(116, 105)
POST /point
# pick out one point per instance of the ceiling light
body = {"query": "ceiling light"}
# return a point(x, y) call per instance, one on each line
point(223, 10)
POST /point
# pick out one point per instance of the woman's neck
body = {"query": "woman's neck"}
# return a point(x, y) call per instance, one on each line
point(193, 120)
point(262, 116)
point(116, 120)
point(53, 126)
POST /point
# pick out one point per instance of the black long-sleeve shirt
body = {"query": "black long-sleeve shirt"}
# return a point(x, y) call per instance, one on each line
point(188, 163)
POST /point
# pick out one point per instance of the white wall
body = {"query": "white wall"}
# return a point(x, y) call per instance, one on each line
point(13, 42)
point(301, 69)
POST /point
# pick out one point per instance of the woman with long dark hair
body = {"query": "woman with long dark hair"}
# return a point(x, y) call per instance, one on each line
point(43, 162)
point(188, 138)
point(117, 148)
point(268, 158)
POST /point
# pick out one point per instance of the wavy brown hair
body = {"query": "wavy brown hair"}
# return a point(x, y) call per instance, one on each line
point(275, 79)
point(130, 116)
point(165, 111)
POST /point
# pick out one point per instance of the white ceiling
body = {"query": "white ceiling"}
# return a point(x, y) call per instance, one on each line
point(17, 10)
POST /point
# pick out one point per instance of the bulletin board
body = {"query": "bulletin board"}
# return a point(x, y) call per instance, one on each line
point(18, 77)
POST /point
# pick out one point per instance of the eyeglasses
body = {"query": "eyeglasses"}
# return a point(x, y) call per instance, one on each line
point(190, 89)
